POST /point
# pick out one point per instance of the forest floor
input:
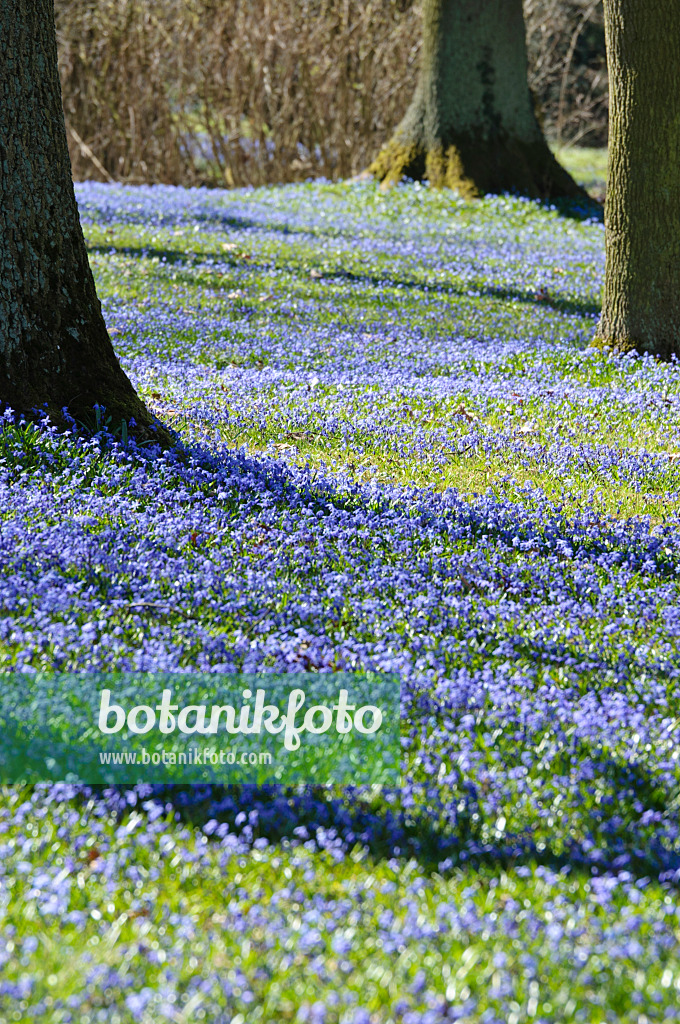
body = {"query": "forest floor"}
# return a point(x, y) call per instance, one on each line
point(401, 453)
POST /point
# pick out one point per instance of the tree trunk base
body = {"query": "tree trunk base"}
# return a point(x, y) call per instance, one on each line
point(476, 167)
point(55, 353)
point(619, 346)
point(663, 346)
point(73, 396)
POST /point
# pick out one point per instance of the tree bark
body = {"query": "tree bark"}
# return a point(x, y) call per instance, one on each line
point(471, 124)
point(641, 307)
point(55, 351)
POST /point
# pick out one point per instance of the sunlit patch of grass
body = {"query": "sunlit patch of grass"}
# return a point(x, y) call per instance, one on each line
point(588, 165)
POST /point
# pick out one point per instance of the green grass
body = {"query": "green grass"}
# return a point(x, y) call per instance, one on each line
point(405, 338)
point(587, 165)
point(164, 912)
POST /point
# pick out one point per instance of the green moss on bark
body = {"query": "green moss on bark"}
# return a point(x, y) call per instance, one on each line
point(475, 167)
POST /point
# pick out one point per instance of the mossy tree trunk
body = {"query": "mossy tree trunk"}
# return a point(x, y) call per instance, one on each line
point(55, 351)
point(471, 124)
point(641, 308)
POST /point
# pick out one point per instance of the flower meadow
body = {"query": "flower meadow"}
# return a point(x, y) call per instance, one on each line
point(398, 451)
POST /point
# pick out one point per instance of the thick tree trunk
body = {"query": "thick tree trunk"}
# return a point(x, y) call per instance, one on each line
point(641, 308)
point(55, 351)
point(471, 124)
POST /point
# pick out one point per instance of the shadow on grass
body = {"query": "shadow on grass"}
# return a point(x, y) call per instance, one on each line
point(441, 838)
point(181, 258)
point(378, 822)
point(560, 305)
point(575, 209)
point(452, 833)
point(324, 821)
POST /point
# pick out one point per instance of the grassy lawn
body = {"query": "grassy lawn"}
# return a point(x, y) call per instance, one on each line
point(401, 453)
point(587, 166)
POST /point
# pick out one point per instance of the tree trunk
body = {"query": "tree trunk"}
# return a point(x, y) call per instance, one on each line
point(471, 124)
point(55, 351)
point(641, 308)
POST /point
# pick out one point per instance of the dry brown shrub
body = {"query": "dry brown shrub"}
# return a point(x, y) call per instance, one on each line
point(568, 69)
point(235, 92)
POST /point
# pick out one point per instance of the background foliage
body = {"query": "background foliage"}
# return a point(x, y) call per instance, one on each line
point(242, 92)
